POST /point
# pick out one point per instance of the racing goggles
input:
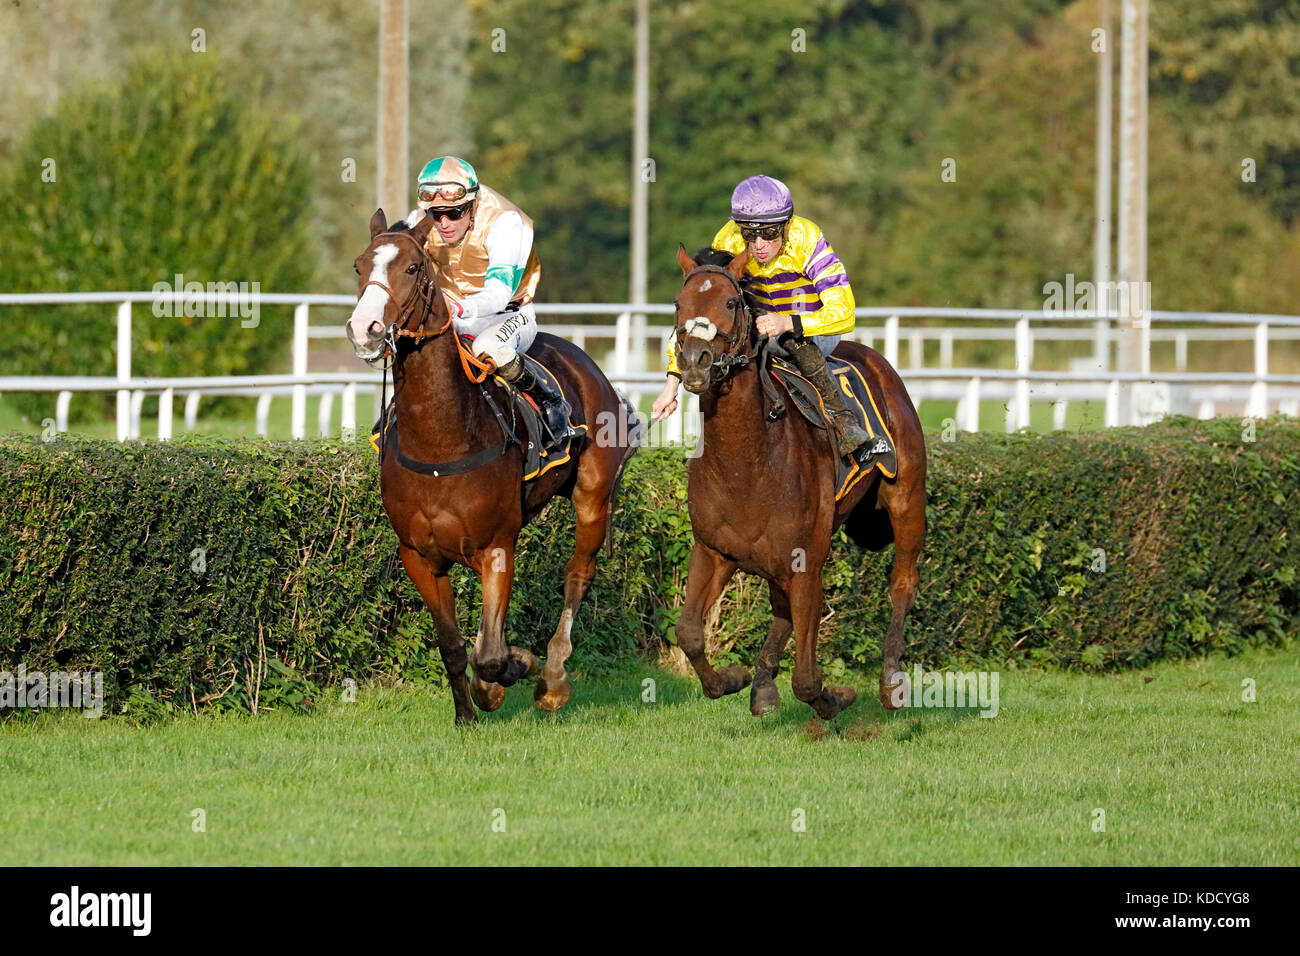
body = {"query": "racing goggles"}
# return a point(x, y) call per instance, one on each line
point(450, 192)
point(751, 232)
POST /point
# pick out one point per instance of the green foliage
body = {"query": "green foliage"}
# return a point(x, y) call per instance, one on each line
point(174, 171)
point(1020, 213)
point(732, 96)
point(1099, 551)
point(1225, 71)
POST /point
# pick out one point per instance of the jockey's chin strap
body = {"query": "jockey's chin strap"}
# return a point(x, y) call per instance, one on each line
point(728, 361)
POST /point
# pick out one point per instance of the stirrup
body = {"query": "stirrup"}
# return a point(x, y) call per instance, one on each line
point(564, 410)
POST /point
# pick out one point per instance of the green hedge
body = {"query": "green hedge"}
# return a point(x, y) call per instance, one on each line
point(302, 586)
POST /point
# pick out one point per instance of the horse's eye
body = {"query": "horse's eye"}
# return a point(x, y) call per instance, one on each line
point(732, 302)
point(356, 268)
point(413, 268)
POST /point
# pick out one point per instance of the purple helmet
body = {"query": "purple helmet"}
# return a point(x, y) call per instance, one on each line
point(761, 199)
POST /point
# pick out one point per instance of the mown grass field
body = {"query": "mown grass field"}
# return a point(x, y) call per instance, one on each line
point(1185, 770)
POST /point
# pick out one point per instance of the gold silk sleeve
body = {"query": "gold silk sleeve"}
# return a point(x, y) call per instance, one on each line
point(835, 317)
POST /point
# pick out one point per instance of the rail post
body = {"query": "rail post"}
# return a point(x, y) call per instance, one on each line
point(348, 413)
point(1024, 346)
point(123, 370)
point(263, 412)
point(299, 413)
point(165, 400)
point(324, 413)
point(1257, 404)
point(192, 409)
point(969, 406)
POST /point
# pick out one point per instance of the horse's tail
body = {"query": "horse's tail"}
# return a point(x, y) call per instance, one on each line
point(633, 420)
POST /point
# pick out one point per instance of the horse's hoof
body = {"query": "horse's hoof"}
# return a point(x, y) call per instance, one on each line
point(735, 679)
point(550, 695)
point(893, 692)
point(467, 718)
point(526, 659)
point(763, 699)
point(832, 700)
point(486, 696)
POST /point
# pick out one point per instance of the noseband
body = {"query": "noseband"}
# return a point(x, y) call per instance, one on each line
point(728, 361)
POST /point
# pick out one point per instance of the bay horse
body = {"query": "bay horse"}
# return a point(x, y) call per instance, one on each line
point(472, 512)
point(761, 495)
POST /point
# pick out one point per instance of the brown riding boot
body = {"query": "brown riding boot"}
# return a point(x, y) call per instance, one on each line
point(808, 358)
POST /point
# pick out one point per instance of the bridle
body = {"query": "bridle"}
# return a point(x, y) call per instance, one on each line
point(422, 293)
point(728, 361)
point(421, 297)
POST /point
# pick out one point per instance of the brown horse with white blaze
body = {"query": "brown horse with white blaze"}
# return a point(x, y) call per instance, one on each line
point(470, 512)
point(761, 496)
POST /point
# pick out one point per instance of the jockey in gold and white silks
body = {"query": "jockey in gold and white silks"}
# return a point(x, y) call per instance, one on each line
point(487, 269)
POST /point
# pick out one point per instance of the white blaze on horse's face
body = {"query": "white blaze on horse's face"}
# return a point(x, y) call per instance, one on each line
point(365, 327)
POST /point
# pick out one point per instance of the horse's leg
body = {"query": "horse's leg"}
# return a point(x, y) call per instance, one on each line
point(805, 610)
point(434, 586)
point(763, 697)
point(706, 577)
point(591, 503)
point(909, 529)
point(496, 665)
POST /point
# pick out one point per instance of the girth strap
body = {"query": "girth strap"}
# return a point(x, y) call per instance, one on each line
point(461, 465)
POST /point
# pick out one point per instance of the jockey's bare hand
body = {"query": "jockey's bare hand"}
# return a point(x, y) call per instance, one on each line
point(666, 403)
point(772, 325)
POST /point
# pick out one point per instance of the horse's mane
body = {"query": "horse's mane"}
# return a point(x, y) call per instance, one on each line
point(400, 226)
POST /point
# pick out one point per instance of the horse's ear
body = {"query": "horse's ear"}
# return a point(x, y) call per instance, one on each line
point(421, 229)
point(684, 260)
point(737, 265)
point(378, 223)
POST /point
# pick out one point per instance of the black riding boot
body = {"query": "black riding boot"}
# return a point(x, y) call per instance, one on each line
point(808, 358)
point(555, 410)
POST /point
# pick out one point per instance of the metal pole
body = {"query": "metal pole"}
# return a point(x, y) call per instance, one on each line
point(640, 190)
point(1101, 234)
point(1133, 332)
point(394, 107)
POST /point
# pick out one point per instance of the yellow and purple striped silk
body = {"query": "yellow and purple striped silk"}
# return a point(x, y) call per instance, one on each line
point(806, 280)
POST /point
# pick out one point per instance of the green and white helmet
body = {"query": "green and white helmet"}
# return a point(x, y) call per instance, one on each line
point(447, 181)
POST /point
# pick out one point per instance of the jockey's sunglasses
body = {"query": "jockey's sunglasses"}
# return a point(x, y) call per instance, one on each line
point(452, 192)
point(750, 233)
point(454, 213)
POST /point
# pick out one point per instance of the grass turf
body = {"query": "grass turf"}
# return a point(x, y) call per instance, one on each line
point(1186, 772)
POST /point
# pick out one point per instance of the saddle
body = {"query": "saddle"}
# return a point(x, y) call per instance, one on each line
point(858, 400)
point(521, 424)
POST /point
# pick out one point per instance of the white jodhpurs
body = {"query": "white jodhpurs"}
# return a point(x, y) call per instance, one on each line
point(509, 334)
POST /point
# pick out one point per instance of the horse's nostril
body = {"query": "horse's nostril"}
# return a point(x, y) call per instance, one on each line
point(705, 358)
point(376, 329)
